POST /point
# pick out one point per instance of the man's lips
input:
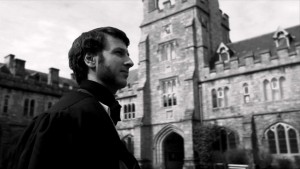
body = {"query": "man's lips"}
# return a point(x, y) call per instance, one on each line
point(125, 71)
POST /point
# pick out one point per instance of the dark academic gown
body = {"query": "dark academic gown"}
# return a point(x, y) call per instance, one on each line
point(77, 132)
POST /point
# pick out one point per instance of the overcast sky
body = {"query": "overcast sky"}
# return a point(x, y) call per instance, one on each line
point(42, 31)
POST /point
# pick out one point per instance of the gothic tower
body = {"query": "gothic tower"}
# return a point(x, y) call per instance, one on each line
point(178, 37)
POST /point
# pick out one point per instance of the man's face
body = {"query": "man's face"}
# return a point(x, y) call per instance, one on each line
point(112, 70)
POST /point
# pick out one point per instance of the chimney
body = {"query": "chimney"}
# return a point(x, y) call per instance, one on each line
point(19, 67)
point(53, 76)
point(9, 60)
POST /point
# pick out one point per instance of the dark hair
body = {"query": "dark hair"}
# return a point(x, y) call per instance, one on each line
point(91, 42)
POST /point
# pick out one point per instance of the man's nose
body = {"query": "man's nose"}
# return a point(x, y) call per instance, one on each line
point(129, 62)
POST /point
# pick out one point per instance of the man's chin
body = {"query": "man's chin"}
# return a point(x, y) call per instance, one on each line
point(122, 84)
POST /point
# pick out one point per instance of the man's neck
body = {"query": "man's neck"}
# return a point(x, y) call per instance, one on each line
point(112, 90)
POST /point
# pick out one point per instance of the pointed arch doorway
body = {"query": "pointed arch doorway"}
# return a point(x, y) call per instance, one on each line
point(173, 151)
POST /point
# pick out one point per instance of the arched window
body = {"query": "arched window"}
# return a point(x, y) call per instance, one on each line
point(6, 104)
point(165, 101)
point(220, 97)
point(49, 105)
point(282, 39)
point(272, 142)
point(125, 112)
point(282, 139)
point(214, 98)
point(267, 90)
point(129, 143)
point(226, 96)
point(133, 107)
point(32, 107)
point(282, 87)
point(125, 109)
point(246, 93)
point(26, 107)
point(129, 111)
point(231, 140)
point(174, 99)
point(226, 140)
point(129, 107)
point(224, 55)
point(275, 89)
point(293, 141)
point(169, 92)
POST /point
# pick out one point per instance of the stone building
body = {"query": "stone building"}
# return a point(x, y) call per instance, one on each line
point(190, 73)
point(24, 94)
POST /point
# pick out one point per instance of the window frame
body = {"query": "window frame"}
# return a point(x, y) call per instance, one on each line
point(169, 92)
point(274, 130)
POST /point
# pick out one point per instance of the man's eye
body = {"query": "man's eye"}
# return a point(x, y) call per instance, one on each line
point(119, 53)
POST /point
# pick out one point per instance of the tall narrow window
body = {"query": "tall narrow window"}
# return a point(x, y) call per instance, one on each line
point(267, 90)
point(231, 140)
point(125, 112)
point(226, 139)
point(246, 93)
point(275, 89)
point(220, 97)
point(169, 92)
point(129, 111)
point(32, 107)
point(26, 107)
point(168, 51)
point(133, 107)
point(214, 98)
point(226, 96)
point(293, 141)
point(282, 87)
point(6, 104)
point(271, 141)
point(129, 143)
point(281, 139)
point(49, 105)
point(133, 110)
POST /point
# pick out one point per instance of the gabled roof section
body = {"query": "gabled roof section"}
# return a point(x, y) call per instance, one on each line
point(279, 30)
point(263, 42)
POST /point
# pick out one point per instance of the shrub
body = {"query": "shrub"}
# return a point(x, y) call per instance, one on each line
point(284, 163)
point(237, 156)
point(265, 159)
point(204, 137)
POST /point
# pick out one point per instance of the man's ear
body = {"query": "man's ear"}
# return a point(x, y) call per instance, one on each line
point(90, 60)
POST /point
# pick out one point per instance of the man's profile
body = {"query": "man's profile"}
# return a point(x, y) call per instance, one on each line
point(79, 131)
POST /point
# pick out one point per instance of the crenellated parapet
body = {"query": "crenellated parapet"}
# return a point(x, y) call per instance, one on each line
point(31, 85)
point(254, 61)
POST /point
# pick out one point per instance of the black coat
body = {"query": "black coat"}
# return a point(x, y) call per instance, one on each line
point(75, 133)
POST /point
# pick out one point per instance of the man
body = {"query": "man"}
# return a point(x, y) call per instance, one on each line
point(79, 131)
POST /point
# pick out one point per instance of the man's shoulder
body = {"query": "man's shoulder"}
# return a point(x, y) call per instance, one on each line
point(72, 99)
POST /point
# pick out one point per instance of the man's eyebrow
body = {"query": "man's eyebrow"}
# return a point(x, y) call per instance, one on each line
point(121, 49)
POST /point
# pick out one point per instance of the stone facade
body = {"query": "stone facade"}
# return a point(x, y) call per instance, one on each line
point(190, 74)
point(24, 94)
point(182, 54)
